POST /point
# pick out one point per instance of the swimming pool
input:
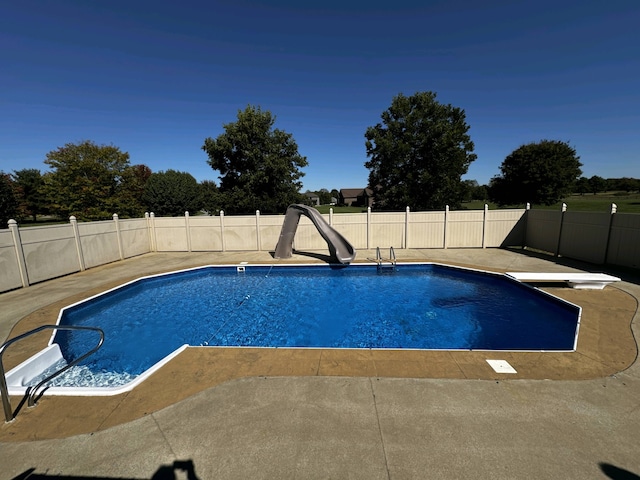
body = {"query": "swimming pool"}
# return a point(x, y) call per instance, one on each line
point(414, 306)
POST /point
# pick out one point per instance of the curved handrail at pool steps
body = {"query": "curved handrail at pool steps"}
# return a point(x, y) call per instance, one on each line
point(339, 247)
point(21, 374)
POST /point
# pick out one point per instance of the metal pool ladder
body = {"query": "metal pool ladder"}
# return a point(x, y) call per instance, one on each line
point(386, 262)
point(32, 392)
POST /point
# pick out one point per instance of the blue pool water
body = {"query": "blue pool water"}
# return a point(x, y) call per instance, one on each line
point(415, 306)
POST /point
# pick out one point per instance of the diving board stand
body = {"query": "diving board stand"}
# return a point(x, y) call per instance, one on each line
point(593, 281)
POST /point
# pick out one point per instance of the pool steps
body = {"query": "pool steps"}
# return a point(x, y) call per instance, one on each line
point(31, 368)
point(16, 381)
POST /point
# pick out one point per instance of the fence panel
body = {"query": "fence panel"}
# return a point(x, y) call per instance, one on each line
point(270, 228)
point(42, 244)
point(624, 240)
point(584, 236)
point(9, 267)
point(388, 230)
point(504, 228)
point(206, 234)
point(426, 230)
point(464, 229)
point(353, 227)
point(99, 243)
point(135, 237)
point(170, 234)
point(240, 233)
point(543, 229)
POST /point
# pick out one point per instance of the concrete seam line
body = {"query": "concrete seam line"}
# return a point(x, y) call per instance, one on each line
point(375, 407)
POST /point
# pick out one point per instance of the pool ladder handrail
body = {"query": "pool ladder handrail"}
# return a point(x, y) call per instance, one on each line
point(391, 260)
point(32, 391)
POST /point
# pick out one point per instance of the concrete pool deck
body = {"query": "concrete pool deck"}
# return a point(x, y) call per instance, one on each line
point(267, 413)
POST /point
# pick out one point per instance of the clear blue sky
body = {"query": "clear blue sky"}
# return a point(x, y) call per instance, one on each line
point(155, 78)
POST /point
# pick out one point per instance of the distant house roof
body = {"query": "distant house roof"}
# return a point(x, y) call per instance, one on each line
point(351, 192)
point(357, 196)
point(313, 197)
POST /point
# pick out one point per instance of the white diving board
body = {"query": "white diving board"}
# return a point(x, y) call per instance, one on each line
point(594, 281)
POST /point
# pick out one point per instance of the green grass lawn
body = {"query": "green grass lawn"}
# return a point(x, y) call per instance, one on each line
point(627, 203)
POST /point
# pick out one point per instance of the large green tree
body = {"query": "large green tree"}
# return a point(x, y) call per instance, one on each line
point(259, 165)
point(418, 153)
point(211, 198)
point(541, 173)
point(172, 193)
point(8, 201)
point(129, 196)
point(84, 180)
point(30, 192)
point(597, 184)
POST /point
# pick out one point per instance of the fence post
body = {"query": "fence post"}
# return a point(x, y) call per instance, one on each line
point(446, 226)
point(484, 226)
point(331, 217)
point(406, 227)
point(154, 240)
point(564, 209)
point(187, 225)
point(17, 244)
point(146, 217)
point(368, 228)
point(118, 235)
point(258, 241)
point(614, 209)
point(76, 234)
point(527, 208)
point(222, 230)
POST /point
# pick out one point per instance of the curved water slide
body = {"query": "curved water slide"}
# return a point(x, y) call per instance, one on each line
point(340, 249)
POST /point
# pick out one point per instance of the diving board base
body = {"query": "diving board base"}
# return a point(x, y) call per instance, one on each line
point(593, 281)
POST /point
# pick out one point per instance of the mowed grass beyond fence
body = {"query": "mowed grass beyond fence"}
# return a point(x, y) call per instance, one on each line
point(626, 203)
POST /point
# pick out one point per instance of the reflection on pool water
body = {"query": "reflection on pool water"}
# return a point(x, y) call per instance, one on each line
point(416, 306)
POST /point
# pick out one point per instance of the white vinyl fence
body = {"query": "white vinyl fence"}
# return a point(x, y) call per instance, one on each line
point(34, 254)
point(599, 238)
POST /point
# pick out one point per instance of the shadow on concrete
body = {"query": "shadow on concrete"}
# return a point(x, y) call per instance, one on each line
point(165, 472)
point(617, 473)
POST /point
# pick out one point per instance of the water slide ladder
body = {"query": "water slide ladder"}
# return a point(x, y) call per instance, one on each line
point(386, 263)
point(32, 392)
